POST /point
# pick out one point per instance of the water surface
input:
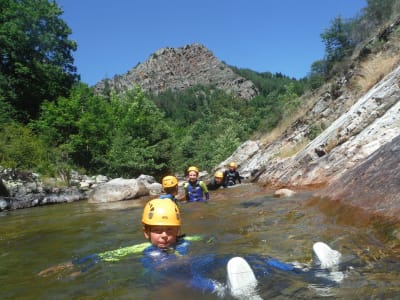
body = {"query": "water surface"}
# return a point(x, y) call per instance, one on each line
point(243, 220)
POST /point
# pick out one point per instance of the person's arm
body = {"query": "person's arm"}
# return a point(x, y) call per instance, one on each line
point(205, 190)
point(185, 186)
point(82, 264)
point(239, 178)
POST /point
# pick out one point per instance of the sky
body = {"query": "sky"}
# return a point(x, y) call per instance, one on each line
point(262, 35)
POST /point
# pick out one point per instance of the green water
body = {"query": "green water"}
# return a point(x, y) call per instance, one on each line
point(238, 221)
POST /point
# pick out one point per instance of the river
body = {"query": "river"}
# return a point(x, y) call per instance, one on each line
point(244, 220)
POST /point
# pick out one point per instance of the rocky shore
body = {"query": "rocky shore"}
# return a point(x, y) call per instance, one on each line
point(23, 190)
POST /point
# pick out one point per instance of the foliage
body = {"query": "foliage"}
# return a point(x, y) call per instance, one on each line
point(123, 136)
point(140, 139)
point(129, 133)
point(36, 60)
point(379, 11)
point(20, 148)
point(338, 43)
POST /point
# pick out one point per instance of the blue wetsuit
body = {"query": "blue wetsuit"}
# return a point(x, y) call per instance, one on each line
point(196, 270)
point(168, 196)
point(202, 272)
point(194, 191)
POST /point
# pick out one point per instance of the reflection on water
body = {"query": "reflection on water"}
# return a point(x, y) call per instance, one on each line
point(244, 220)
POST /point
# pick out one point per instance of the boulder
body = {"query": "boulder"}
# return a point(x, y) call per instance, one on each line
point(118, 189)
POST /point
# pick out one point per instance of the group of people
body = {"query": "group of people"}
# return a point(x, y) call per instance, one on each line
point(229, 177)
point(197, 190)
point(161, 225)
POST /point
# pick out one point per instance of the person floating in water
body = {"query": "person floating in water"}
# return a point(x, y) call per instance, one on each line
point(232, 176)
point(170, 188)
point(216, 182)
point(165, 255)
point(195, 189)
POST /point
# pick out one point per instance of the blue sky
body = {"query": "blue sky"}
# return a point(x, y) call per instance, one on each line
point(262, 35)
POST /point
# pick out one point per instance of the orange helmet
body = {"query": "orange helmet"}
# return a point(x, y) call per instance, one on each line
point(193, 168)
point(233, 165)
point(161, 212)
point(219, 174)
point(169, 181)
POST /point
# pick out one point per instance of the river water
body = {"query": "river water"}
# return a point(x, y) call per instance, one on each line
point(239, 221)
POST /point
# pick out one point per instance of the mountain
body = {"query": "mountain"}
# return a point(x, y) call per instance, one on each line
point(177, 69)
point(357, 120)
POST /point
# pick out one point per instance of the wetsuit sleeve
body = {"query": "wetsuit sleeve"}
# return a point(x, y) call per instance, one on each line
point(205, 190)
point(117, 254)
point(280, 265)
point(239, 178)
point(185, 187)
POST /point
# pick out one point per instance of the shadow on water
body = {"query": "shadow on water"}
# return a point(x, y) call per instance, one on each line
point(246, 220)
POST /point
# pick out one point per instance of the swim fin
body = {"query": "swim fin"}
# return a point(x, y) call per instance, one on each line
point(324, 256)
point(241, 280)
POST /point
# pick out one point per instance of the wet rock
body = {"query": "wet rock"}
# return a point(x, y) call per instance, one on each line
point(373, 185)
point(284, 193)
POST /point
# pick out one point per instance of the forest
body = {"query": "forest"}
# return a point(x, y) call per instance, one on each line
point(52, 123)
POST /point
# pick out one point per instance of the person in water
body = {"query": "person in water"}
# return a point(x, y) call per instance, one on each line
point(216, 182)
point(165, 256)
point(170, 188)
point(195, 190)
point(232, 176)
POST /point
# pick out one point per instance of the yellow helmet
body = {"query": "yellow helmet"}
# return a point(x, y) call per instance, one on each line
point(169, 181)
point(161, 212)
point(233, 165)
point(219, 174)
point(193, 168)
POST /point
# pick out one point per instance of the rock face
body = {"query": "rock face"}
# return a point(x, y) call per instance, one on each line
point(370, 123)
point(178, 69)
point(358, 135)
point(374, 184)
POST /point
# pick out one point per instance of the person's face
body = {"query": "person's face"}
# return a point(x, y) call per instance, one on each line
point(218, 180)
point(192, 176)
point(162, 237)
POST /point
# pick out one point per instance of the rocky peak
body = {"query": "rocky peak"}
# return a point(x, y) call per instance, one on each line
point(178, 69)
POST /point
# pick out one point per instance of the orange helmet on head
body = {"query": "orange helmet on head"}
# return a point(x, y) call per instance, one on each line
point(169, 181)
point(233, 165)
point(193, 168)
point(161, 212)
point(219, 174)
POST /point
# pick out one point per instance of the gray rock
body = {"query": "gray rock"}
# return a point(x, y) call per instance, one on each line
point(118, 189)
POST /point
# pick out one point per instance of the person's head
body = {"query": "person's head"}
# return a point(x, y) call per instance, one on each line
point(193, 173)
point(218, 176)
point(232, 166)
point(170, 185)
point(161, 221)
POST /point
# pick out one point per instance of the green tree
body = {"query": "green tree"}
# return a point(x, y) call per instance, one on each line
point(79, 126)
point(36, 63)
point(337, 41)
point(141, 141)
point(379, 11)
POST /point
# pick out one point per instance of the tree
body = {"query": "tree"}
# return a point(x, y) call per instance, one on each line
point(337, 41)
point(379, 11)
point(141, 141)
point(36, 63)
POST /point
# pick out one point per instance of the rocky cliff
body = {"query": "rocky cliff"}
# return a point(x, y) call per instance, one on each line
point(177, 69)
point(356, 121)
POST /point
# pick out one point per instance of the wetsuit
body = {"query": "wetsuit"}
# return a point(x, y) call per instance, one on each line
point(213, 185)
point(196, 272)
point(231, 177)
point(194, 191)
point(168, 196)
